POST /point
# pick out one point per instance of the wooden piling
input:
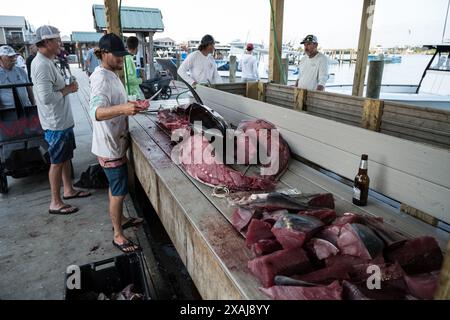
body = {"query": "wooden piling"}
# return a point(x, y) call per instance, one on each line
point(363, 47)
point(374, 81)
point(233, 68)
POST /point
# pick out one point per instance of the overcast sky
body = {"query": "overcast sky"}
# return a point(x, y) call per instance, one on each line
point(336, 23)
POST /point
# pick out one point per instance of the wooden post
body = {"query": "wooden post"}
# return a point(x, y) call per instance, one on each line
point(300, 99)
point(285, 77)
point(262, 91)
point(375, 79)
point(363, 47)
point(112, 16)
point(178, 65)
point(372, 113)
point(443, 292)
point(113, 25)
point(252, 90)
point(276, 40)
point(232, 77)
point(150, 55)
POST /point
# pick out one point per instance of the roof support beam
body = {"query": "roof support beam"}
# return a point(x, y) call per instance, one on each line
point(365, 35)
point(276, 40)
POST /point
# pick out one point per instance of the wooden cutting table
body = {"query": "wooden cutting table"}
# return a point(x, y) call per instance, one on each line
point(198, 224)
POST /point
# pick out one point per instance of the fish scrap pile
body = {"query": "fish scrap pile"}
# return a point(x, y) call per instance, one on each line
point(128, 293)
point(205, 164)
point(303, 251)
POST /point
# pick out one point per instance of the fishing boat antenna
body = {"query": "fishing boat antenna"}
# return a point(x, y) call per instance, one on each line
point(445, 24)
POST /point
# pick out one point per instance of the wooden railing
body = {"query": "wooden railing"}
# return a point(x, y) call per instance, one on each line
point(426, 125)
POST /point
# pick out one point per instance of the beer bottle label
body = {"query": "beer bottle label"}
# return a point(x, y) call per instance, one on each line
point(356, 193)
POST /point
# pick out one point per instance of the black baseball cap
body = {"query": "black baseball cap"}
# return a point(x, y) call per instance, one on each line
point(112, 43)
point(310, 38)
point(207, 40)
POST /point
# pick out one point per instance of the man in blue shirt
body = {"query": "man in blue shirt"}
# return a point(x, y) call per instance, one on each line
point(91, 62)
point(11, 74)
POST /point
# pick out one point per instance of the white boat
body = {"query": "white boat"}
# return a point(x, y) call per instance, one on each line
point(432, 91)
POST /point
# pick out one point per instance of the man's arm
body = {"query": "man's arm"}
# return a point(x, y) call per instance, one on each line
point(184, 68)
point(31, 95)
point(107, 113)
point(323, 74)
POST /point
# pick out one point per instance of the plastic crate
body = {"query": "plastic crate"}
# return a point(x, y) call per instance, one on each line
point(110, 276)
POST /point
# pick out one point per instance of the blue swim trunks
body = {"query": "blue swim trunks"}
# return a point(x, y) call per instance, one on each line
point(61, 144)
point(118, 180)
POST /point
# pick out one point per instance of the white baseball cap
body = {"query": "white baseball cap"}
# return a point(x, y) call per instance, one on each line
point(7, 51)
point(46, 32)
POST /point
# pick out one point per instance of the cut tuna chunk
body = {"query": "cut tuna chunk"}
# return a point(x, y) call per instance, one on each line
point(293, 230)
point(326, 275)
point(325, 200)
point(258, 230)
point(279, 201)
point(420, 255)
point(392, 238)
point(330, 233)
point(263, 247)
point(332, 292)
point(283, 262)
point(325, 215)
point(272, 217)
point(346, 219)
point(389, 273)
point(345, 260)
point(359, 291)
point(359, 241)
point(423, 286)
point(323, 249)
point(241, 218)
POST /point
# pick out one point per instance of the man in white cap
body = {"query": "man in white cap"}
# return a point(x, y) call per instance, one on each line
point(55, 115)
point(11, 74)
point(313, 67)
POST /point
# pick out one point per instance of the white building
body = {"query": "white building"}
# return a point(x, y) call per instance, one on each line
point(15, 31)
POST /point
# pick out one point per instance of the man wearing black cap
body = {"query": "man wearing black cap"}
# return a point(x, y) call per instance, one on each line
point(199, 66)
point(313, 67)
point(109, 110)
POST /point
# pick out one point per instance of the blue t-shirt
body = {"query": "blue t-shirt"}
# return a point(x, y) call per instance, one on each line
point(14, 76)
point(93, 59)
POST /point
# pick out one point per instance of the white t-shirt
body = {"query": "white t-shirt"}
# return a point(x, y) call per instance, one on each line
point(201, 68)
point(110, 137)
point(249, 67)
point(313, 72)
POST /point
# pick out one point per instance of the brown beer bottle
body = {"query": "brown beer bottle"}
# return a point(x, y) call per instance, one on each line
point(361, 186)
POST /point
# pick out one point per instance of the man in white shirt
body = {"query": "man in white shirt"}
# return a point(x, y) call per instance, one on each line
point(55, 114)
point(109, 112)
point(199, 66)
point(313, 67)
point(249, 65)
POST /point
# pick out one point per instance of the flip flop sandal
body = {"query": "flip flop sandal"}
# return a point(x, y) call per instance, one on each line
point(78, 194)
point(61, 211)
point(127, 245)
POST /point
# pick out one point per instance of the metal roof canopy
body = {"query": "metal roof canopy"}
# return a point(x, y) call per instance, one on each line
point(133, 19)
point(85, 37)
